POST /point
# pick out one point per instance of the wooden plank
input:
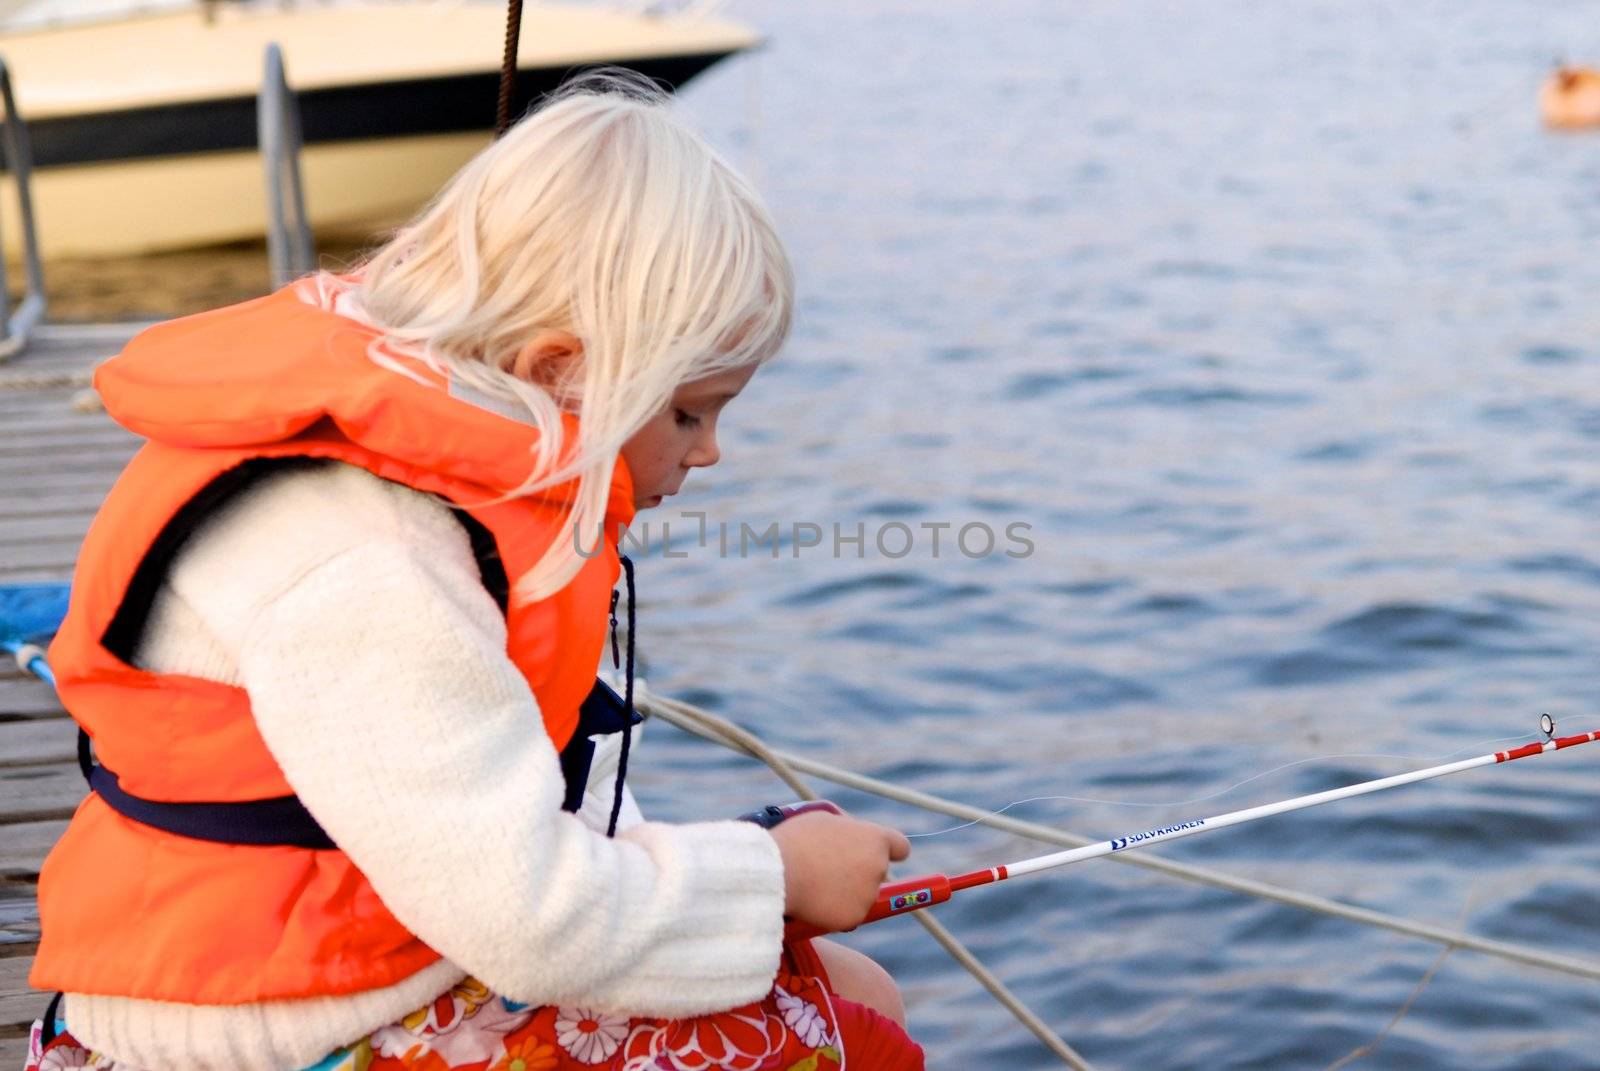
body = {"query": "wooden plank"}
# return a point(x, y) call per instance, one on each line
point(89, 458)
point(48, 529)
point(45, 483)
point(41, 359)
point(38, 742)
point(33, 575)
point(82, 336)
point(15, 442)
point(16, 398)
point(34, 424)
point(40, 793)
point(23, 404)
point(39, 380)
point(55, 353)
point(19, 923)
point(25, 697)
point(80, 333)
point(60, 433)
point(40, 481)
point(56, 557)
point(37, 407)
point(47, 360)
point(51, 429)
point(58, 424)
point(19, 1004)
point(24, 846)
point(110, 335)
point(60, 503)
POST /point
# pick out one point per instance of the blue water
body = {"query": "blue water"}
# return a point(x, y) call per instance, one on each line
point(1278, 323)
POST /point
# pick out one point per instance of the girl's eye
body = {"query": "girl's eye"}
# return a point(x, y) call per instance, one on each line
point(685, 420)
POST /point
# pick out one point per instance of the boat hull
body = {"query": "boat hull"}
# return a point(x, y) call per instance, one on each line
point(128, 207)
point(167, 160)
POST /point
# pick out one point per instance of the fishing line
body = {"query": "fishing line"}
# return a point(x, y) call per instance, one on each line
point(1221, 791)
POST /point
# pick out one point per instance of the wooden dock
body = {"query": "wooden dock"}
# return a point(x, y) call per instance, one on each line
point(58, 457)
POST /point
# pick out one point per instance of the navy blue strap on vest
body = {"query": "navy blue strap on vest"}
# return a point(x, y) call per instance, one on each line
point(281, 822)
point(284, 822)
point(602, 714)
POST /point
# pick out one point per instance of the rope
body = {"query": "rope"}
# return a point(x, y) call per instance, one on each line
point(508, 68)
point(46, 380)
point(1361, 1052)
point(710, 727)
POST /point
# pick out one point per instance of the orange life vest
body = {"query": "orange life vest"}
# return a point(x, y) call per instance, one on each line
point(130, 910)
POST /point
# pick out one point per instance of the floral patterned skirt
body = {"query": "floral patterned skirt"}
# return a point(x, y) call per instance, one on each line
point(800, 1026)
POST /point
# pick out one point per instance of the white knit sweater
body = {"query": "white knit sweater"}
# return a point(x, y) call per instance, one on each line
point(352, 612)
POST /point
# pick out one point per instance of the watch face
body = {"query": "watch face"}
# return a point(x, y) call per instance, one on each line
point(766, 817)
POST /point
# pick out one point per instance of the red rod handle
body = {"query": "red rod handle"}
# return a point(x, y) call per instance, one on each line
point(895, 898)
point(912, 894)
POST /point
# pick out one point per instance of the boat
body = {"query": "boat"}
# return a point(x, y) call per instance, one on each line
point(143, 125)
point(1570, 98)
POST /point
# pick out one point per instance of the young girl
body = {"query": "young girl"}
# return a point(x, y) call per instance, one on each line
point(334, 635)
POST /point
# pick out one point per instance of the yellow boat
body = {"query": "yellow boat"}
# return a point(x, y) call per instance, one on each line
point(144, 126)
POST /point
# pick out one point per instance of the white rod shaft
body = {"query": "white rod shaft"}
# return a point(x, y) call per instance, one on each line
point(1250, 814)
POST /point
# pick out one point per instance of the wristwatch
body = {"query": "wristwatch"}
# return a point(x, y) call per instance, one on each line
point(774, 813)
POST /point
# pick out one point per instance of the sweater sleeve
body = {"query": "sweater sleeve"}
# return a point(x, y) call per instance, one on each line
point(379, 680)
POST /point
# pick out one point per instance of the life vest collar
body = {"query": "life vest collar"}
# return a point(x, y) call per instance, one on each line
point(270, 369)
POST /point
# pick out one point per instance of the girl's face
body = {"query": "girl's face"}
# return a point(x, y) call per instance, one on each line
point(681, 437)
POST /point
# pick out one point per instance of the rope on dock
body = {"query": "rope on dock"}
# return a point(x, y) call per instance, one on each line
point(85, 400)
point(715, 729)
point(710, 727)
point(45, 380)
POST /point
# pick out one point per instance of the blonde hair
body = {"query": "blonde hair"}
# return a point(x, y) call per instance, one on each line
point(604, 215)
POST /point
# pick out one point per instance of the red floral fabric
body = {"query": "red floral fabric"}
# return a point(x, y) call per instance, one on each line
point(800, 1026)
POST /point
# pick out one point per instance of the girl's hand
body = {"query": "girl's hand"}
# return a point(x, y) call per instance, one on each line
point(833, 865)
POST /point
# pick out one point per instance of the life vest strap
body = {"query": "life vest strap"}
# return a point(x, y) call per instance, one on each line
point(284, 822)
point(603, 713)
point(281, 821)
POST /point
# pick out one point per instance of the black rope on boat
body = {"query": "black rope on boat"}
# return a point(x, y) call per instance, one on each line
point(627, 699)
point(508, 68)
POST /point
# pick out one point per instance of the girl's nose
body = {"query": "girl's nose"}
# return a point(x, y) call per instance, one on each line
point(705, 452)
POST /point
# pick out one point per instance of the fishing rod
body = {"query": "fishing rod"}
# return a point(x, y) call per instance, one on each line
point(39, 604)
point(914, 894)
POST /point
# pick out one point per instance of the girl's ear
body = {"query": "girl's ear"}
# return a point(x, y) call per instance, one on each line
point(548, 357)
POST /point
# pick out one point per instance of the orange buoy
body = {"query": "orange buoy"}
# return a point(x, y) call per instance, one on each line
point(1570, 98)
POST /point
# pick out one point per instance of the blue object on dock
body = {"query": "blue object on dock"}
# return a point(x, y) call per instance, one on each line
point(29, 616)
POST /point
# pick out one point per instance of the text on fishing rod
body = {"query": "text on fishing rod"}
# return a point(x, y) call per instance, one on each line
point(1119, 843)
